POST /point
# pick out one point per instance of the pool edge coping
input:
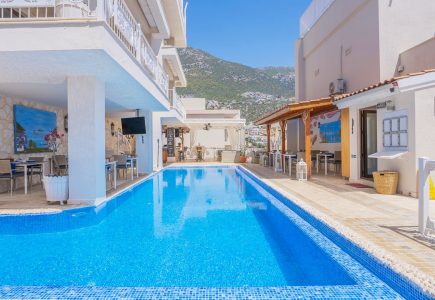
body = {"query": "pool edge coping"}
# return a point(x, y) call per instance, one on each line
point(408, 271)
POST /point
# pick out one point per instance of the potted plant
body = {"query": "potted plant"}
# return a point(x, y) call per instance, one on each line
point(55, 185)
point(242, 158)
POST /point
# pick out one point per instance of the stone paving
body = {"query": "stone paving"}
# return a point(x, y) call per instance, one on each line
point(35, 201)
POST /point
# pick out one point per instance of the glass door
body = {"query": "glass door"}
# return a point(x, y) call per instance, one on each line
point(369, 143)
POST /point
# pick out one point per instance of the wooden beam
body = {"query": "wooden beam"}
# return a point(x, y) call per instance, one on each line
point(306, 117)
point(283, 125)
point(268, 137)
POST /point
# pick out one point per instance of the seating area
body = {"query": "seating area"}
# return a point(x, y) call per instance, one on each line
point(119, 168)
point(322, 162)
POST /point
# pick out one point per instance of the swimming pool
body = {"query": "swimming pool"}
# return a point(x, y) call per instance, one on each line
point(199, 232)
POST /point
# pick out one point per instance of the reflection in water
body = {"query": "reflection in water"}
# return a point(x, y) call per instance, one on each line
point(180, 203)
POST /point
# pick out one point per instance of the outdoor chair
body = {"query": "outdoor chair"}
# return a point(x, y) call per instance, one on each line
point(60, 164)
point(109, 171)
point(336, 161)
point(7, 173)
point(122, 163)
point(36, 170)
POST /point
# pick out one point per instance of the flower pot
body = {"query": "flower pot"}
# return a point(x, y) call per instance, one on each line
point(242, 159)
point(56, 188)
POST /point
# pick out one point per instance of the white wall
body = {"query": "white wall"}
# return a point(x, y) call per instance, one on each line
point(372, 34)
point(403, 25)
point(406, 165)
point(350, 27)
point(149, 145)
point(194, 103)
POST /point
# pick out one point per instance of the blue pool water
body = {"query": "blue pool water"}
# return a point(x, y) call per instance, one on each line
point(184, 227)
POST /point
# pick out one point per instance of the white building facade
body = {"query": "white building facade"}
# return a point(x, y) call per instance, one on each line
point(363, 53)
point(89, 61)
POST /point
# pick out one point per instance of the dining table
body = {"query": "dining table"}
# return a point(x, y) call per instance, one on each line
point(26, 165)
point(325, 155)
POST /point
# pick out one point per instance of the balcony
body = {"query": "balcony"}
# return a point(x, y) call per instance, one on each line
point(174, 68)
point(113, 13)
point(176, 15)
point(176, 104)
point(312, 15)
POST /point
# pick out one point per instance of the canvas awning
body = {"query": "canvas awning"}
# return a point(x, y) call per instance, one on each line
point(388, 154)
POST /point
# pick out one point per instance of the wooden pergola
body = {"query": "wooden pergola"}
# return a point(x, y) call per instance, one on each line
point(304, 110)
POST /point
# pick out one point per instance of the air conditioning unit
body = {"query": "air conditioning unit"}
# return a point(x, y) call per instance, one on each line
point(337, 86)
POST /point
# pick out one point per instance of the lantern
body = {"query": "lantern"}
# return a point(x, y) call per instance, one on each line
point(301, 171)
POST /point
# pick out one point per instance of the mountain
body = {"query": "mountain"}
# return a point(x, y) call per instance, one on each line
point(255, 91)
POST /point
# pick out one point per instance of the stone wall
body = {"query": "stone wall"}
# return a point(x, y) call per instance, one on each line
point(7, 127)
point(117, 143)
point(7, 133)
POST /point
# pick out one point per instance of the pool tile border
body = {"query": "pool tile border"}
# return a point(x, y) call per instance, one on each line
point(398, 281)
point(369, 286)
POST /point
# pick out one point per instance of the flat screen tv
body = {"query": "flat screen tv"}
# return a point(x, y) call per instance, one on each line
point(133, 125)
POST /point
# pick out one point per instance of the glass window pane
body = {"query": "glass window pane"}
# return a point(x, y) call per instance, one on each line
point(387, 125)
point(403, 123)
point(387, 140)
point(395, 140)
point(395, 124)
point(404, 139)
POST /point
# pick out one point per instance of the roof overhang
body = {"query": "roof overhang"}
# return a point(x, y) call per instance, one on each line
point(387, 88)
point(156, 18)
point(295, 110)
point(367, 98)
point(216, 122)
point(422, 81)
point(170, 55)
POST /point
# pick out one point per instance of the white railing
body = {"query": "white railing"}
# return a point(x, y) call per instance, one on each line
point(312, 14)
point(114, 12)
point(48, 9)
point(177, 104)
point(425, 223)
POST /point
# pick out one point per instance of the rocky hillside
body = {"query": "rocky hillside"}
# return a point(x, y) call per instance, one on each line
point(230, 85)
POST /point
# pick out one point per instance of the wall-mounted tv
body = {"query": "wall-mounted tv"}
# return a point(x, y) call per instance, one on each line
point(133, 125)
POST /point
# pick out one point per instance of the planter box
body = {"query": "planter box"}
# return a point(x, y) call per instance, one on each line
point(56, 188)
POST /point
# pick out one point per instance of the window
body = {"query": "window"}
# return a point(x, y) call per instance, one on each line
point(396, 132)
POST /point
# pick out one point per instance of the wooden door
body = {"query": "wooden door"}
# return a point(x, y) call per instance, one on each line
point(345, 143)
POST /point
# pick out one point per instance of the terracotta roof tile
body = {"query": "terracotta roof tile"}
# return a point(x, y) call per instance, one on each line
point(382, 83)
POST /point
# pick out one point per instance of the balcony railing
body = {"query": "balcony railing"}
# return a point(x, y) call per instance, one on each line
point(177, 104)
point(312, 15)
point(114, 12)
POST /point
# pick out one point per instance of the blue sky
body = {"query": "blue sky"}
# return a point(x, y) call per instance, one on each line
point(257, 33)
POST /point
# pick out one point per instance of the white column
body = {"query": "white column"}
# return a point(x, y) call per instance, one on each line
point(149, 145)
point(86, 140)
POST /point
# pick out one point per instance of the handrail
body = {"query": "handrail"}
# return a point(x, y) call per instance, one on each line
point(114, 12)
point(177, 104)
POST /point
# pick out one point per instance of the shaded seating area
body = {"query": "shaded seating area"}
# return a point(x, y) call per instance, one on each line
point(316, 160)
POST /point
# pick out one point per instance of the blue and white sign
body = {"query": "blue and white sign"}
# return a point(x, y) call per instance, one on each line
point(27, 3)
